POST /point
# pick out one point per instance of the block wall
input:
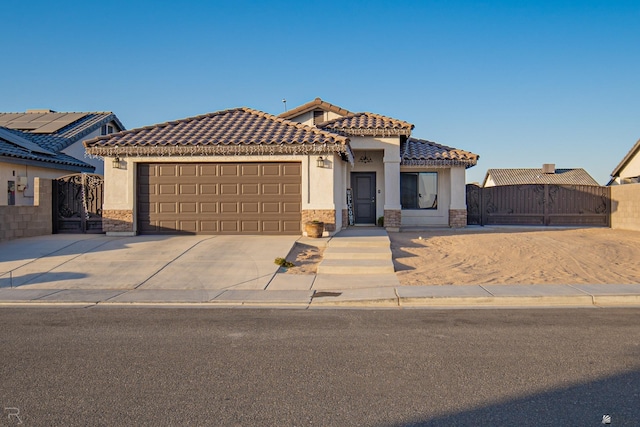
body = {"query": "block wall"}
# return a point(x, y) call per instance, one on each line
point(29, 221)
point(625, 207)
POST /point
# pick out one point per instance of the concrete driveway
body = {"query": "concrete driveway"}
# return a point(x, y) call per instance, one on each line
point(142, 262)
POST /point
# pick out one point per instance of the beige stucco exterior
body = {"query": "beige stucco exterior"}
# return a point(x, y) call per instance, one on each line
point(630, 172)
point(372, 146)
point(321, 187)
point(24, 196)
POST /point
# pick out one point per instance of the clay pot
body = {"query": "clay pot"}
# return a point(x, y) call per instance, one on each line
point(314, 229)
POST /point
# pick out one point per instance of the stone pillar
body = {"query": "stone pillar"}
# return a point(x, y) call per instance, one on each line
point(392, 208)
point(458, 205)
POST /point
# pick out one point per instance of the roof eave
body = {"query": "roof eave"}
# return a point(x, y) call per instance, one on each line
point(634, 150)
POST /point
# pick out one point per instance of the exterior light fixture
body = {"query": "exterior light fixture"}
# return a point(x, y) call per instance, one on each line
point(116, 163)
point(320, 162)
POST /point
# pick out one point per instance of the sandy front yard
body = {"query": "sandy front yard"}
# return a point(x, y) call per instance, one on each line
point(517, 256)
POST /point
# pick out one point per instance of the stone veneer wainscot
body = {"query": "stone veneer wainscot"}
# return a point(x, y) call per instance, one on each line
point(457, 218)
point(117, 220)
point(328, 216)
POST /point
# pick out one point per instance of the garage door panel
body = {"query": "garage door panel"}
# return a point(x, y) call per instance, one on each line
point(292, 169)
point(208, 226)
point(228, 208)
point(229, 189)
point(165, 189)
point(230, 226)
point(188, 208)
point(250, 169)
point(167, 170)
point(250, 189)
point(249, 208)
point(229, 169)
point(271, 208)
point(291, 189)
point(288, 208)
point(187, 170)
point(208, 208)
point(208, 189)
point(188, 226)
point(271, 189)
point(291, 226)
point(219, 198)
point(250, 226)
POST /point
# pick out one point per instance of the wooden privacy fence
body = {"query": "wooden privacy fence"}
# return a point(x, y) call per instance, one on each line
point(545, 204)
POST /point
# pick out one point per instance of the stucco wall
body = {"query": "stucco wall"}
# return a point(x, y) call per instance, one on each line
point(11, 172)
point(321, 187)
point(631, 169)
point(78, 151)
point(28, 221)
point(625, 207)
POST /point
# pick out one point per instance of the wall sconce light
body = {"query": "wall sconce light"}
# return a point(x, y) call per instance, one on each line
point(320, 162)
point(365, 159)
point(116, 163)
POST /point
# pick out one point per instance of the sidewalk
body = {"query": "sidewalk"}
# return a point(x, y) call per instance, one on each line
point(349, 278)
point(475, 296)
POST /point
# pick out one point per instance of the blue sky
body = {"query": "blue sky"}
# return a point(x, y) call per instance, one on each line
point(520, 83)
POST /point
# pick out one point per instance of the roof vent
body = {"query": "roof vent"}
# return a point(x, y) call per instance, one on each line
point(44, 111)
point(548, 168)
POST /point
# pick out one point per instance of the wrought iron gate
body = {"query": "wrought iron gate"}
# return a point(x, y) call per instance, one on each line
point(77, 203)
point(545, 204)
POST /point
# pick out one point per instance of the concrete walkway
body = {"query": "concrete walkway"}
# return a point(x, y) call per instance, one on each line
point(239, 271)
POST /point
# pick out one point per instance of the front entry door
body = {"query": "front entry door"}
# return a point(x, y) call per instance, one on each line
point(364, 197)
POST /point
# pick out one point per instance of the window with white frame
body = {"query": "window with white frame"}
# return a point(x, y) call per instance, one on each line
point(106, 129)
point(419, 190)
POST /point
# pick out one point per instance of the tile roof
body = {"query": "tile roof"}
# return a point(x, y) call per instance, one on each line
point(367, 124)
point(13, 151)
point(52, 132)
point(419, 152)
point(635, 150)
point(234, 131)
point(65, 136)
point(314, 105)
point(536, 176)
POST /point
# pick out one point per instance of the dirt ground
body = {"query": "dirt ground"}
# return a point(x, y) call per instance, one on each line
point(305, 257)
point(474, 256)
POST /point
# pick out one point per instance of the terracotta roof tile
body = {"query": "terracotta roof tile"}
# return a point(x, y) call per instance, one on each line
point(314, 105)
point(367, 124)
point(536, 176)
point(239, 131)
point(419, 152)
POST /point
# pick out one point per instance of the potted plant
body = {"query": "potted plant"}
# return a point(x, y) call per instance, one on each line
point(314, 228)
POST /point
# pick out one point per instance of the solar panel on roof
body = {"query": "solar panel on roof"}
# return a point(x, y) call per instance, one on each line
point(59, 122)
point(22, 125)
point(23, 142)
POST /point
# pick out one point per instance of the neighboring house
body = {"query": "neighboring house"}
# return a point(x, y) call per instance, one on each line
point(548, 174)
point(46, 144)
point(628, 171)
point(246, 171)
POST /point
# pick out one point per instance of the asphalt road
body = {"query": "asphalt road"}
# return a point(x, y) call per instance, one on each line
point(143, 366)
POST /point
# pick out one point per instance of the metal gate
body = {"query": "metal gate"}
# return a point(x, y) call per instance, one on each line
point(77, 203)
point(568, 205)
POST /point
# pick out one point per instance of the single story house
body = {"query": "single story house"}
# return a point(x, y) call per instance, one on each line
point(628, 170)
point(247, 171)
point(548, 174)
point(47, 144)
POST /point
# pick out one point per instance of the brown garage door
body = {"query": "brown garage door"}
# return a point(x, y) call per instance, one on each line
point(219, 198)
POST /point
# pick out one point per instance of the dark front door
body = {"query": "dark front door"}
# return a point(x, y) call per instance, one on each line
point(364, 197)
